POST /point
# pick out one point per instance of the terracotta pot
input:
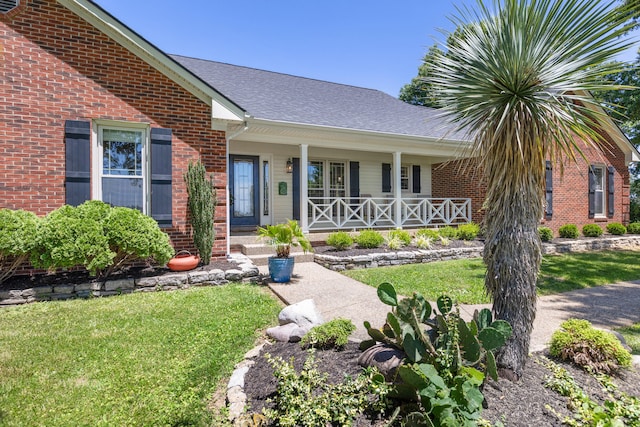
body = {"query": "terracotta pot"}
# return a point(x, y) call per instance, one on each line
point(183, 262)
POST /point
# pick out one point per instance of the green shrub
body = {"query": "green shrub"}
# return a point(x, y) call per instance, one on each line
point(616, 229)
point(308, 399)
point(18, 230)
point(394, 243)
point(99, 238)
point(135, 236)
point(592, 230)
point(428, 232)
point(369, 239)
point(545, 233)
point(333, 334)
point(590, 348)
point(340, 240)
point(568, 231)
point(202, 203)
point(468, 231)
point(402, 235)
point(634, 228)
point(448, 232)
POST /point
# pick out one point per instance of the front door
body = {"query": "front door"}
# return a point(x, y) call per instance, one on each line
point(244, 190)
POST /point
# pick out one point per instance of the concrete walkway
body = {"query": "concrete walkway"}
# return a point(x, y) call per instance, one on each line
point(336, 295)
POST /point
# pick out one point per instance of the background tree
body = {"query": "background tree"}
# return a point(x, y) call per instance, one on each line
point(517, 78)
point(420, 91)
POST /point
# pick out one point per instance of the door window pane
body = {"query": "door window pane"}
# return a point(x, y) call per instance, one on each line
point(315, 179)
point(336, 179)
point(243, 188)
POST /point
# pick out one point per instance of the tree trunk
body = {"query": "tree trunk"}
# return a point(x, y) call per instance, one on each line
point(512, 255)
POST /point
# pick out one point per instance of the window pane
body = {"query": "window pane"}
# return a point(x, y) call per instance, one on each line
point(315, 179)
point(126, 192)
point(265, 189)
point(336, 178)
point(121, 152)
point(599, 190)
point(404, 177)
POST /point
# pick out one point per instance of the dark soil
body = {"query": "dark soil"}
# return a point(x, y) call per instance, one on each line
point(516, 404)
point(21, 282)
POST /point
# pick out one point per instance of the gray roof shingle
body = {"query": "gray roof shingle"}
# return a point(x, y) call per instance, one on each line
point(283, 97)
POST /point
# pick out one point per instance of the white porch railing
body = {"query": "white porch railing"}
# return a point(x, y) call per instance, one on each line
point(327, 213)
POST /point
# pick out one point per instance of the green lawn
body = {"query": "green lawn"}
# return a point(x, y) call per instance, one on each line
point(632, 336)
point(139, 359)
point(463, 280)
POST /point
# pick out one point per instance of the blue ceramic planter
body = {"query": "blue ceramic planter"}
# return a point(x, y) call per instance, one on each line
point(281, 269)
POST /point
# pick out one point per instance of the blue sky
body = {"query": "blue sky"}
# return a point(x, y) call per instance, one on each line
point(374, 44)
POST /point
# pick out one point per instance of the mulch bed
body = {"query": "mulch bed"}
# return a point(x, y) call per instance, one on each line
point(517, 404)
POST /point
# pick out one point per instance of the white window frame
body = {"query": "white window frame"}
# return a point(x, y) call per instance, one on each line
point(326, 176)
point(603, 196)
point(408, 169)
point(97, 157)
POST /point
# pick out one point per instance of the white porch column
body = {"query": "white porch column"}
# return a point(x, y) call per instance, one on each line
point(397, 190)
point(304, 190)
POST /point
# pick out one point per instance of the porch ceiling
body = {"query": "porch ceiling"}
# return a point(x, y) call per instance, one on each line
point(271, 132)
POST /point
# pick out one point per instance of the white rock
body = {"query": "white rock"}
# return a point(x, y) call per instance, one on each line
point(304, 314)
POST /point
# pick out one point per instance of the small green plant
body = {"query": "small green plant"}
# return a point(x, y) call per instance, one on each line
point(308, 399)
point(616, 229)
point(445, 241)
point(447, 358)
point(619, 409)
point(423, 242)
point(590, 348)
point(340, 240)
point(468, 231)
point(592, 230)
point(545, 233)
point(568, 231)
point(18, 230)
point(369, 239)
point(333, 334)
point(394, 243)
point(201, 202)
point(283, 236)
point(448, 232)
point(428, 232)
point(634, 228)
point(401, 235)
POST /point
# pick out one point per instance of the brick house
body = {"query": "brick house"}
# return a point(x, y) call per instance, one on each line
point(91, 110)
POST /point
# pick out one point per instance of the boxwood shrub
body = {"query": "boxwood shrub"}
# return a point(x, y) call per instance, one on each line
point(634, 228)
point(468, 231)
point(568, 231)
point(18, 230)
point(545, 233)
point(616, 229)
point(448, 232)
point(401, 235)
point(429, 232)
point(369, 239)
point(592, 230)
point(340, 240)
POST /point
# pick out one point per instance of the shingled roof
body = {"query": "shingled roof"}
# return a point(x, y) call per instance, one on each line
point(285, 98)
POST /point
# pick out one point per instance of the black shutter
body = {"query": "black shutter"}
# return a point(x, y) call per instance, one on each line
point(612, 189)
point(295, 188)
point(416, 178)
point(592, 193)
point(386, 177)
point(161, 176)
point(77, 140)
point(354, 179)
point(549, 189)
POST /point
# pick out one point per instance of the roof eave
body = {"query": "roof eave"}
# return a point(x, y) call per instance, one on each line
point(222, 108)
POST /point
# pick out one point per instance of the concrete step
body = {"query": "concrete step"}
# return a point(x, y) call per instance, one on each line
point(262, 249)
point(259, 260)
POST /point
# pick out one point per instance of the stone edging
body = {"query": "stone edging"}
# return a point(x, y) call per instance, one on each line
point(236, 397)
point(338, 263)
point(246, 272)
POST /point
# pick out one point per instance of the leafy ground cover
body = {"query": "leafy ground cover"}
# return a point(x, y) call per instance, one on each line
point(463, 280)
point(138, 359)
point(631, 335)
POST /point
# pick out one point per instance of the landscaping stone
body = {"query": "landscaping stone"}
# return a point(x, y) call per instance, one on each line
point(282, 333)
point(121, 285)
point(63, 289)
point(384, 357)
point(304, 314)
point(233, 275)
point(237, 378)
point(169, 281)
point(147, 282)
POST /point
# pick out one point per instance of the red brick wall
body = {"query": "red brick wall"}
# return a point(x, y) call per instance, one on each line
point(57, 67)
point(570, 189)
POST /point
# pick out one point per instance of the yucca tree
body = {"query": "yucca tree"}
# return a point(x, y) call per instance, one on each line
point(517, 77)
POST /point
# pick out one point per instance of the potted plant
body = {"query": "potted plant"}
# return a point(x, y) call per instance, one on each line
point(282, 237)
